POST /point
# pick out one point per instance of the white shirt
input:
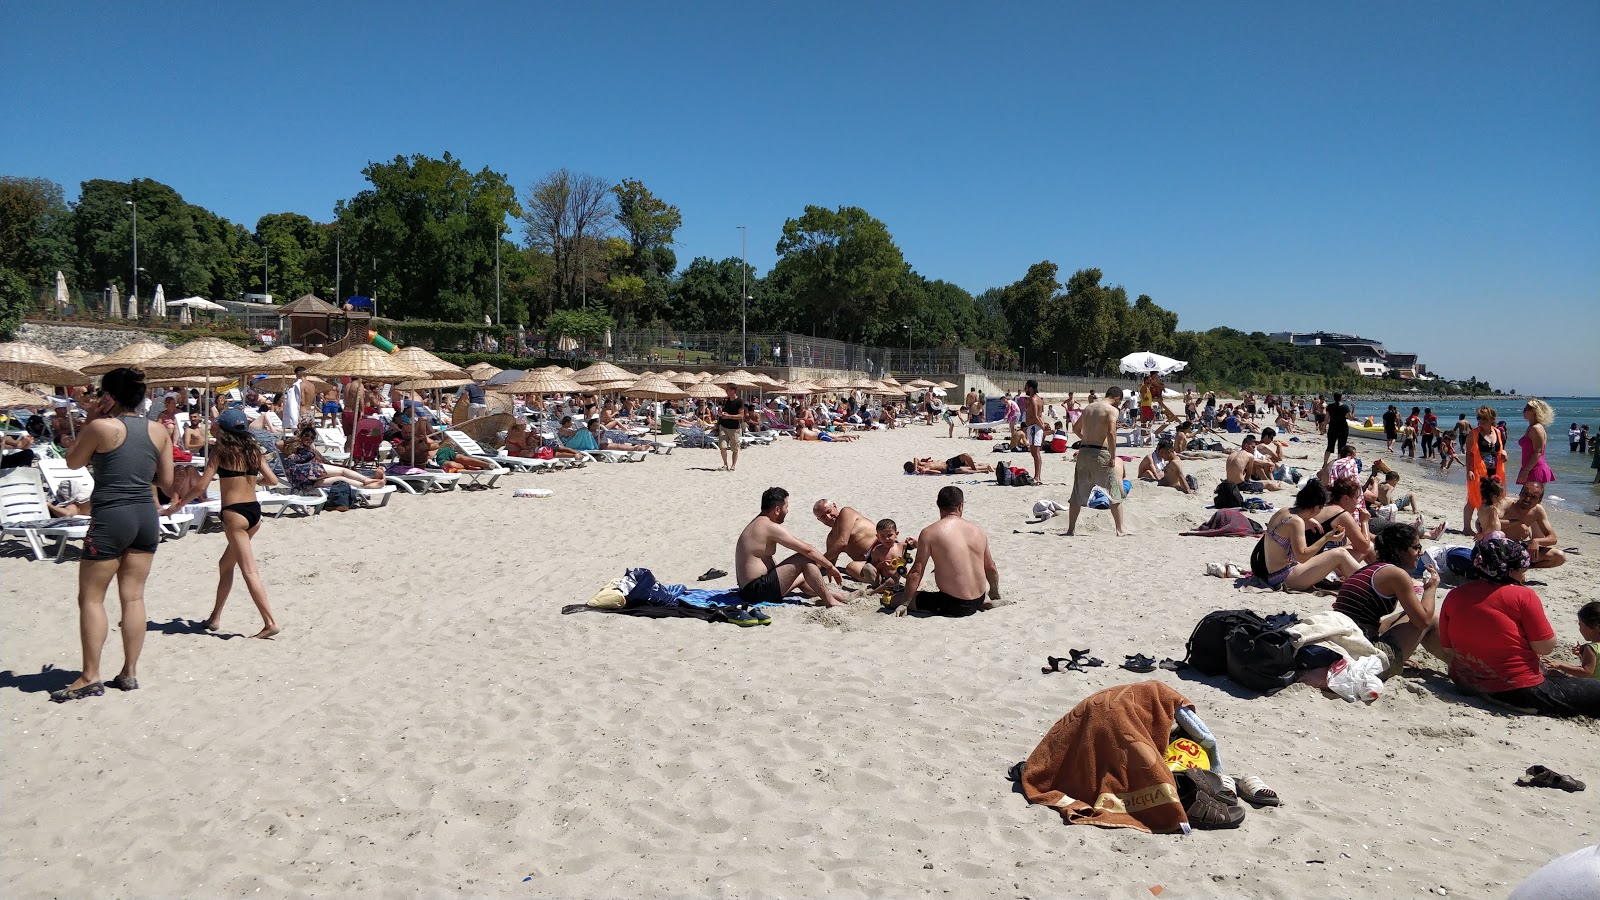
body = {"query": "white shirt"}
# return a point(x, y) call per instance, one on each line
point(291, 405)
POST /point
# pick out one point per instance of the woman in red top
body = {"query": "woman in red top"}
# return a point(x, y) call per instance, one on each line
point(1495, 629)
point(1486, 455)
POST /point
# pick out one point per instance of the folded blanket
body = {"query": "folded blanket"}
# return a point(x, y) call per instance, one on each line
point(1227, 523)
point(1334, 629)
point(1104, 763)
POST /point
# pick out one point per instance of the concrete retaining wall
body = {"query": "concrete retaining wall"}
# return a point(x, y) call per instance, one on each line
point(98, 340)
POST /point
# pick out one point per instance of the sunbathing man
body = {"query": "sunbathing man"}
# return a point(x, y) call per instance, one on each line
point(959, 551)
point(850, 533)
point(806, 433)
point(1242, 465)
point(960, 464)
point(600, 440)
point(761, 580)
point(1163, 468)
point(1525, 520)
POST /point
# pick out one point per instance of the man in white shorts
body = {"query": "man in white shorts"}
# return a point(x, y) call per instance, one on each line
point(1033, 416)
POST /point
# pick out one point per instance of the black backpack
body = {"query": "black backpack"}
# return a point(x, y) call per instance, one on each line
point(1002, 474)
point(341, 496)
point(1228, 496)
point(1208, 644)
point(1020, 478)
point(1261, 660)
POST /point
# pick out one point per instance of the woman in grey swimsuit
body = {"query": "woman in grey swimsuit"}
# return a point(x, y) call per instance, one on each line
point(128, 454)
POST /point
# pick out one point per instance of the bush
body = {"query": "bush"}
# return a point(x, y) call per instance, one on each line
point(442, 335)
point(15, 298)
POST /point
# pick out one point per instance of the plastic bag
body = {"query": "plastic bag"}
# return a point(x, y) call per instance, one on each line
point(1357, 679)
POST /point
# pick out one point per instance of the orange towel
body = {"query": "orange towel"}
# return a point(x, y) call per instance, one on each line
point(1105, 763)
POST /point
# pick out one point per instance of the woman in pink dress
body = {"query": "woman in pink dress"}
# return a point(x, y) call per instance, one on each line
point(1534, 468)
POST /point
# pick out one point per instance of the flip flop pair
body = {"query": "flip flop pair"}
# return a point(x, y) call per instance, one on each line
point(1078, 661)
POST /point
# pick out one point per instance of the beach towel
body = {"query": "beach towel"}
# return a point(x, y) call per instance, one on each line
point(1227, 523)
point(1336, 630)
point(1104, 763)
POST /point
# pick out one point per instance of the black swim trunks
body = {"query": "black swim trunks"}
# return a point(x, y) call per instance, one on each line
point(953, 465)
point(115, 530)
point(941, 604)
point(762, 590)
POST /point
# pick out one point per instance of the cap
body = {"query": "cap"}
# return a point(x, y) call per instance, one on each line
point(234, 420)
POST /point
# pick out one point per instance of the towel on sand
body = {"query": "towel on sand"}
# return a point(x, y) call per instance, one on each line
point(1335, 629)
point(1105, 762)
point(1227, 523)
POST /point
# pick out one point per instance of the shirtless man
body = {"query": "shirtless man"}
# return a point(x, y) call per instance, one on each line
point(960, 464)
point(761, 580)
point(850, 533)
point(959, 551)
point(1239, 469)
point(1096, 464)
point(1162, 467)
point(1525, 520)
point(1033, 419)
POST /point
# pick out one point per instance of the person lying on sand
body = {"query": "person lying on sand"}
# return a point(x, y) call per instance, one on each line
point(960, 464)
point(807, 433)
point(962, 564)
point(761, 580)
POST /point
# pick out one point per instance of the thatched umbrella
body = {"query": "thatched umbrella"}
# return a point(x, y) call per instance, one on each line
point(482, 371)
point(78, 357)
point(743, 382)
point(682, 379)
point(796, 389)
point(892, 390)
point(275, 383)
point(919, 383)
point(423, 361)
point(289, 356)
point(433, 384)
point(16, 398)
point(946, 385)
point(131, 356)
point(210, 356)
point(600, 372)
point(367, 363)
point(540, 383)
point(202, 382)
point(655, 388)
point(25, 363)
point(705, 390)
point(830, 384)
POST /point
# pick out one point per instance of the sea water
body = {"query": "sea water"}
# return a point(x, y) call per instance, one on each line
point(1574, 484)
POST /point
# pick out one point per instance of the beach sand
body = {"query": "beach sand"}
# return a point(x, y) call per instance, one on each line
point(429, 723)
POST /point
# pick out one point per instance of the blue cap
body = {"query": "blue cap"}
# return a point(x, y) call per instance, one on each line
point(234, 420)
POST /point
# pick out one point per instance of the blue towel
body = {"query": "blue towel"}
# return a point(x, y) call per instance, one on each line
point(703, 597)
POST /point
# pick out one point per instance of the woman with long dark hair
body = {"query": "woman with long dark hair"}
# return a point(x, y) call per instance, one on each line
point(237, 460)
point(1371, 595)
point(1284, 559)
point(128, 454)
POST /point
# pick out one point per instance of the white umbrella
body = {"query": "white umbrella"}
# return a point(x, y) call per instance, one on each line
point(158, 306)
point(1140, 363)
point(62, 298)
point(185, 315)
point(133, 306)
point(115, 308)
point(199, 303)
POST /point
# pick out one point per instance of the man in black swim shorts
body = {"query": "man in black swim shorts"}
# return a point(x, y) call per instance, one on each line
point(761, 579)
point(959, 553)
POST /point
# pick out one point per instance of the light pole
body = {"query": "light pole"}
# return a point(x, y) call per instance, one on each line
point(497, 227)
point(134, 287)
point(1024, 362)
point(264, 290)
point(908, 346)
point(744, 297)
point(338, 270)
point(1058, 363)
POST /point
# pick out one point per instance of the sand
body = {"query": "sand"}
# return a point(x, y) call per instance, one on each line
point(430, 724)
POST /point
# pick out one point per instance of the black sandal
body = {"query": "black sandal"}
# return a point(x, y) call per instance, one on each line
point(94, 689)
point(1077, 662)
point(1537, 776)
point(1138, 662)
point(712, 574)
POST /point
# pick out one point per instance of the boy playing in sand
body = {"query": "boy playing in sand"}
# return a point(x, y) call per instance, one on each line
point(888, 557)
point(1588, 651)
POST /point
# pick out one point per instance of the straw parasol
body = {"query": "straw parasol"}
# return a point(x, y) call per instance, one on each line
point(946, 385)
point(655, 388)
point(830, 384)
point(540, 383)
point(919, 383)
point(863, 384)
point(202, 382)
point(893, 390)
point(78, 357)
point(682, 379)
point(601, 372)
point(736, 380)
point(131, 356)
point(209, 356)
point(423, 361)
point(23, 363)
point(482, 371)
point(15, 398)
point(705, 390)
point(367, 363)
point(486, 429)
point(797, 388)
point(433, 384)
point(274, 383)
point(289, 356)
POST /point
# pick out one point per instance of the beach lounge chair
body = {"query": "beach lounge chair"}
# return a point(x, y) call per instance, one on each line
point(616, 456)
point(23, 513)
point(308, 504)
point(272, 504)
point(696, 437)
point(464, 443)
point(330, 443)
point(423, 481)
point(55, 473)
point(770, 421)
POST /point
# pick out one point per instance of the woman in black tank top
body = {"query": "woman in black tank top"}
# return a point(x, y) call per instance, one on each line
point(130, 456)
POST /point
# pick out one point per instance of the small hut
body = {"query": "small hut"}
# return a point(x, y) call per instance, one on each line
point(315, 323)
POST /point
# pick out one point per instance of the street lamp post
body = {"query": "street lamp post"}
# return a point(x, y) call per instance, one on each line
point(1024, 363)
point(744, 297)
point(134, 287)
point(1058, 363)
point(497, 227)
point(908, 346)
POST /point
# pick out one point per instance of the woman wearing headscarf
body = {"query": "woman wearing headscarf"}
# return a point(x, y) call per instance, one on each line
point(1495, 629)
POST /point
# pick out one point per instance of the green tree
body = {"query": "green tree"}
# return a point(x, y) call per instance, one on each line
point(1031, 310)
point(565, 216)
point(705, 297)
point(422, 237)
point(1087, 319)
point(176, 247)
point(648, 223)
point(297, 251)
point(842, 270)
point(35, 230)
point(15, 299)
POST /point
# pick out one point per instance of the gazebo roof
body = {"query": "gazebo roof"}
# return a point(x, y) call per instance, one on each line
point(310, 305)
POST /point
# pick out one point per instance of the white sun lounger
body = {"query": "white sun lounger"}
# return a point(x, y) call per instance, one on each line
point(55, 473)
point(23, 513)
point(423, 482)
point(472, 448)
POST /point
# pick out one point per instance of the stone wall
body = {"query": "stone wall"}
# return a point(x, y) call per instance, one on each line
point(98, 340)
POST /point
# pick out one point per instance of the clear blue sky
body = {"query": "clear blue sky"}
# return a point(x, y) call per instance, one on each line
point(1427, 174)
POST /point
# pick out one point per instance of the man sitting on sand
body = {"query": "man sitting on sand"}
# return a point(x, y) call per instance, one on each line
point(1163, 468)
point(763, 581)
point(959, 551)
point(1241, 466)
point(850, 533)
point(1525, 520)
point(1096, 465)
point(960, 464)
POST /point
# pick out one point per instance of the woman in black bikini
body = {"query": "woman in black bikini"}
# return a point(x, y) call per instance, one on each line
point(237, 460)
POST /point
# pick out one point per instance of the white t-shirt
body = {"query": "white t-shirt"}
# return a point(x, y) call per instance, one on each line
point(291, 405)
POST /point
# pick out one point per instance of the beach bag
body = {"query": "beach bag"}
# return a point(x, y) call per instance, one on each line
point(1020, 477)
point(341, 496)
point(1002, 475)
point(1098, 498)
point(1208, 643)
point(1261, 660)
point(646, 591)
point(1228, 496)
point(181, 455)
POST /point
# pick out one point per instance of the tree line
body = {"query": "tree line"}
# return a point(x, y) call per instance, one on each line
point(581, 251)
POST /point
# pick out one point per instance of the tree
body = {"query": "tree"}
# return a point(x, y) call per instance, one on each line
point(649, 224)
point(15, 298)
point(705, 297)
point(178, 247)
point(296, 250)
point(35, 230)
point(1031, 311)
point(565, 214)
point(422, 238)
point(841, 269)
point(1087, 320)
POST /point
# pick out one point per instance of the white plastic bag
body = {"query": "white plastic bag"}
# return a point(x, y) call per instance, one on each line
point(1357, 679)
